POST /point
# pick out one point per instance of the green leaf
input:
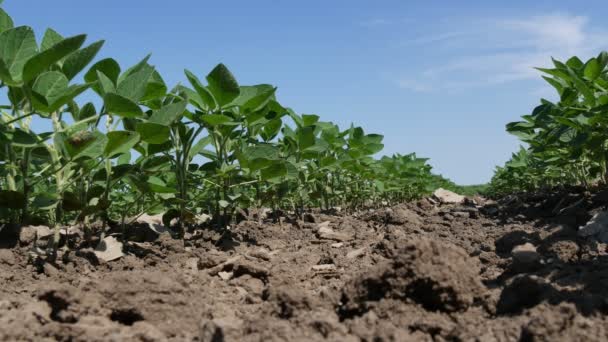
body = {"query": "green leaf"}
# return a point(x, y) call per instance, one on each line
point(169, 113)
point(78, 60)
point(137, 67)
point(43, 60)
point(153, 133)
point(83, 144)
point(583, 88)
point(200, 145)
point(223, 85)
point(216, 119)
point(87, 111)
point(51, 85)
point(254, 98)
point(592, 69)
point(121, 106)
point(108, 67)
point(134, 86)
point(204, 94)
point(18, 46)
point(309, 120)
point(306, 137)
point(156, 87)
point(22, 138)
point(120, 142)
point(6, 22)
point(105, 83)
point(50, 38)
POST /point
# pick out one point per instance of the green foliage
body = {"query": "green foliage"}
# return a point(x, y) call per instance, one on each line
point(213, 148)
point(566, 141)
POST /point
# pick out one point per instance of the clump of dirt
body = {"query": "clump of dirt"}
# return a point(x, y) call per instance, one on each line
point(436, 275)
point(511, 270)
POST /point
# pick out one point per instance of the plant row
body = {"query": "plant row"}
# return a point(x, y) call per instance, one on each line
point(566, 143)
point(139, 146)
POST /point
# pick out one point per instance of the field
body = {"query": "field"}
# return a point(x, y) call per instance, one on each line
point(210, 211)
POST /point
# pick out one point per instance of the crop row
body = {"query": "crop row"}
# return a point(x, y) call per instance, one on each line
point(566, 143)
point(213, 147)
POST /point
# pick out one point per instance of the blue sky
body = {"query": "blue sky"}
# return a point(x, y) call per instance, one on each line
point(440, 78)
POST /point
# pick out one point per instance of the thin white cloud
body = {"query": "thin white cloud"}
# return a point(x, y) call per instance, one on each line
point(435, 38)
point(507, 50)
point(375, 22)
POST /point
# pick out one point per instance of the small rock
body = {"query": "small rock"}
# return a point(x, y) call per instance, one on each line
point(154, 222)
point(225, 275)
point(596, 227)
point(244, 267)
point(261, 253)
point(109, 249)
point(448, 197)
point(7, 257)
point(330, 234)
point(202, 218)
point(525, 253)
point(28, 234)
point(324, 268)
point(337, 245)
point(525, 258)
point(192, 264)
point(356, 253)
point(253, 286)
point(50, 270)
point(324, 224)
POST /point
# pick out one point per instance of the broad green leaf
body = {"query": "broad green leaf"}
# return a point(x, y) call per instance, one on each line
point(156, 87)
point(121, 106)
point(43, 60)
point(592, 69)
point(306, 137)
point(583, 88)
point(50, 38)
point(169, 113)
point(51, 85)
point(18, 46)
point(216, 119)
point(120, 142)
point(83, 144)
point(68, 95)
point(575, 63)
point(153, 133)
point(202, 92)
point(137, 67)
point(200, 145)
point(254, 98)
point(309, 120)
point(87, 111)
point(78, 60)
point(108, 67)
point(22, 138)
point(222, 85)
point(134, 86)
point(105, 83)
point(157, 185)
point(5, 74)
point(6, 22)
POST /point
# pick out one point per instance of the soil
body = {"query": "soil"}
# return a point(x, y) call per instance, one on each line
point(415, 272)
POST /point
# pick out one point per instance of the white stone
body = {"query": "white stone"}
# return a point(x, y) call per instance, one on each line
point(109, 249)
point(448, 197)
